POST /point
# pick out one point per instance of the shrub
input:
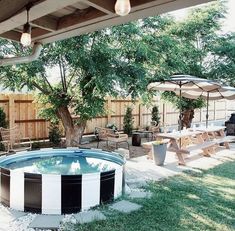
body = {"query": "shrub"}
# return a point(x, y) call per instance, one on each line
point(111, 126)
point(2, 147)
point(3, 121)
point(128, 121)
point(36, 145)
point(156, 115)
point(54, 134)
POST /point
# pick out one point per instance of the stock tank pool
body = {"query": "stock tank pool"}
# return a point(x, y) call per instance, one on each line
point(59, 181)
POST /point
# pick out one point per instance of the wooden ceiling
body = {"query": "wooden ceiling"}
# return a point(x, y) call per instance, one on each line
point(54, 20)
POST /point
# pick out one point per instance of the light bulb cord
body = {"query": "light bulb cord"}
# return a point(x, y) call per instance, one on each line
point(28, 7)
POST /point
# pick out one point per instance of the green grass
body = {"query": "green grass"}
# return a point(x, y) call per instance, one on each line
point(204, 201)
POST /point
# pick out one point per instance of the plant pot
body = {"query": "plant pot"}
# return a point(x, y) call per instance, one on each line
point(159, 153)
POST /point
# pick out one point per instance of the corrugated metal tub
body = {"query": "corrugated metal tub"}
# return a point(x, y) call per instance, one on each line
point(58, 181)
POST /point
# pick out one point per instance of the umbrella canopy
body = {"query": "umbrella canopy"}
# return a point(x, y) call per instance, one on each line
point(224, 92)
point(185, 84)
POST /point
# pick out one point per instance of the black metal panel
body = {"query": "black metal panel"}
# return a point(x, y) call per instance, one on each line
point(123, 179)
point(71, 193)
point(5, 186)
point(107, 186)
point(33, 193)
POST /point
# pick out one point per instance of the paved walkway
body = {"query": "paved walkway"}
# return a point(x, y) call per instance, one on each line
point(138, 171)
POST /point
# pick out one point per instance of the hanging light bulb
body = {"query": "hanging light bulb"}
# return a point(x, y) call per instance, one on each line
point(26, 35)
point(122, 7)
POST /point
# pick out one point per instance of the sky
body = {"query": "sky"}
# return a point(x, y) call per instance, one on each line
point(228, 24)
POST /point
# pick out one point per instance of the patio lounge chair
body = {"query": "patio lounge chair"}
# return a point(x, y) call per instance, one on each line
point(110, 136)
point(11, 138)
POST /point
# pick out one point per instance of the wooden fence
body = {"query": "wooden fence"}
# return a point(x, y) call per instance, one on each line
point(23, 111)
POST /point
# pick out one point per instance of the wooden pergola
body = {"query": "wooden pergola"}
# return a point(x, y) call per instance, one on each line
point(54, 20)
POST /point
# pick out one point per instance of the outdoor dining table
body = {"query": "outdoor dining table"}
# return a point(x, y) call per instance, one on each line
point(181, 139)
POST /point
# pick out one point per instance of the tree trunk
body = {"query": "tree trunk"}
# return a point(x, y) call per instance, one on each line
point(73, 133)
point(187, 117)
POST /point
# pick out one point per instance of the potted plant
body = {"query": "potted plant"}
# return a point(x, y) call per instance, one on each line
point(159, 152)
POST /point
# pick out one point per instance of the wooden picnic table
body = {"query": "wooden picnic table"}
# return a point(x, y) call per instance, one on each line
point(199, 138)
point(179, 140)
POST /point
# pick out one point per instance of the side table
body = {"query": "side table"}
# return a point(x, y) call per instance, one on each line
point(136, 139)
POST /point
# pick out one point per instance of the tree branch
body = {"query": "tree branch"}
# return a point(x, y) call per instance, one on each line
point(40, 88)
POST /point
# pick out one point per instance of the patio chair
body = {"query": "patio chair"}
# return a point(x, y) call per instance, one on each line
point(11, 138)
point(110, 136)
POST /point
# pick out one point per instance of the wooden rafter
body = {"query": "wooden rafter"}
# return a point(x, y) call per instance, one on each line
point(46, 22)
point(78, 17)
point(36, 32)
point(41, 9)
point(12, 35)
point(51, 23)
point(106, 6)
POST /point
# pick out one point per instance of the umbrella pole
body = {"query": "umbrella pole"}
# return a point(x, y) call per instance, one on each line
point(207, 109)
point(180, 114)
point(180, 122)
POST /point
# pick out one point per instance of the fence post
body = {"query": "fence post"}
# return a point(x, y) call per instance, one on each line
point(11, 110)
point(109, 106)
point(164, 114)
point(140, 115)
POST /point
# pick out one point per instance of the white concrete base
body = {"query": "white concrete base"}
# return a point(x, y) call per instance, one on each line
point(46, 222)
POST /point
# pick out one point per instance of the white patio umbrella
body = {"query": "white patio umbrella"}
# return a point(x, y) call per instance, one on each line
point(222, 92)
point(184, 83)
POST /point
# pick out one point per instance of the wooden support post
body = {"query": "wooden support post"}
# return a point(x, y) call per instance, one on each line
point(109, 106)
point(140, 116)
point(163, 114)
point(11, 111)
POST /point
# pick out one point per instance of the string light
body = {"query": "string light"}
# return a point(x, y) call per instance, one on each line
point(26, 35)
point(122, 7)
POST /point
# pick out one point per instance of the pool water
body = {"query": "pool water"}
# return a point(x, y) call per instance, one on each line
point(64, 165)
point(61, 162)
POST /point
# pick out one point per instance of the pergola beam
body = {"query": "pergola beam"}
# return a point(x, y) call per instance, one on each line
point(12, 35)
point(46, 23)
point(153, 9)
point(36, 32)
point(37, 11)
point(78, 17)
point(106, 6)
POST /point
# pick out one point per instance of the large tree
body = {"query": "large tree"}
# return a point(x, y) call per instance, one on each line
point(91, 66)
